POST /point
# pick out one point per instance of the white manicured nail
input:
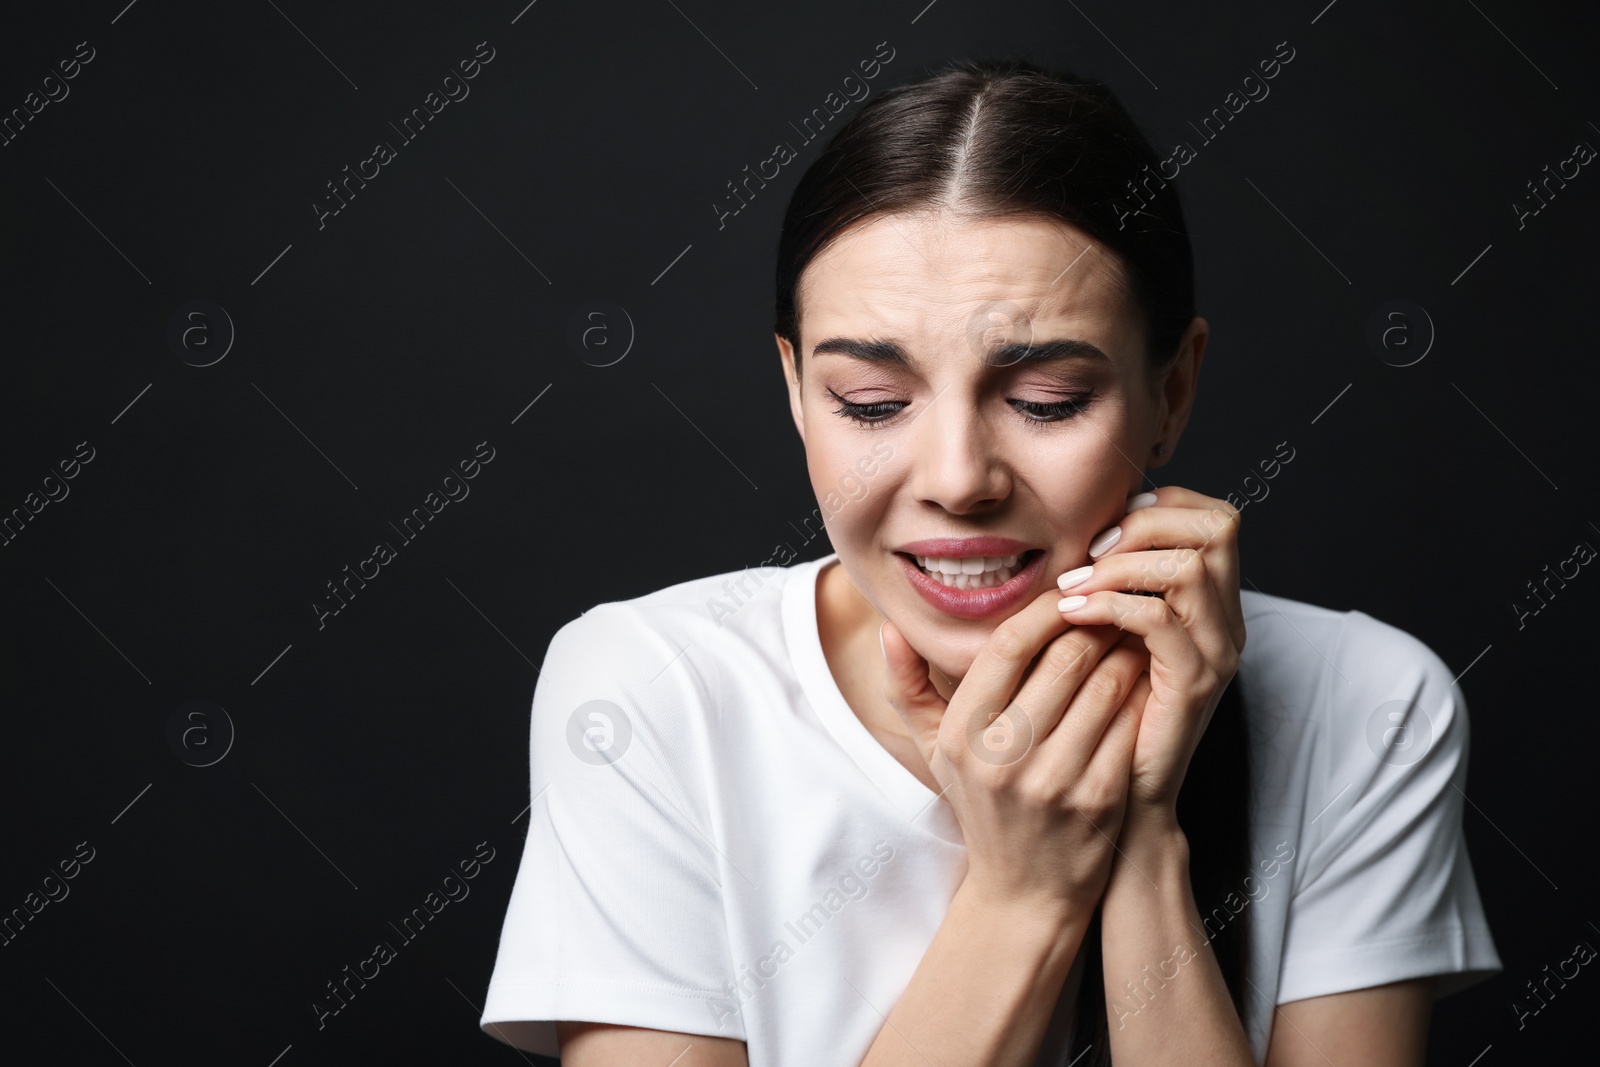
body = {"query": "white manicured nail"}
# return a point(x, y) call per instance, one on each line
point(1105, 541)
point(1143, 500)
point(1068, 603)
point(1072, 578)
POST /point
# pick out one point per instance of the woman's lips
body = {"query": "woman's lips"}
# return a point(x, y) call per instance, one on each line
point(974, 603)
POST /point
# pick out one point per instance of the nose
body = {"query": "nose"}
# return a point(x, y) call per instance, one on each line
point(955, 464)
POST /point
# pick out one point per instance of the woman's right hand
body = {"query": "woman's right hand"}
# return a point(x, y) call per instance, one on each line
point(1032, 750)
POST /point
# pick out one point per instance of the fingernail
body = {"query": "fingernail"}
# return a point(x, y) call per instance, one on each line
point(885, 651)
point(1068, 603)
point(1072, 578)
point(1105, 541)
point(1143, 500)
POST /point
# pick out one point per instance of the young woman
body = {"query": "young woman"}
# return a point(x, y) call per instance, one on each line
point(999, 780)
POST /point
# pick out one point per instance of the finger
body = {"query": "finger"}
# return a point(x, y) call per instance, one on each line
point(1108, 766)
point(1062, 667)
point(1066, 751)
point(910, 691)
point(1006, 656)
point(1005, 735)
point(1183, 518)
point(1171, 648)
point(1113, 755)
point(1179, 576)
point(1179, 516)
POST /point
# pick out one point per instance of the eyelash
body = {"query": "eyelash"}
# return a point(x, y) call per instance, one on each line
point(1060, 411)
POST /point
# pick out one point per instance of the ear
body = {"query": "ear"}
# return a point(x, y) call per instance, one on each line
point(791, 378)
point(1177, 389)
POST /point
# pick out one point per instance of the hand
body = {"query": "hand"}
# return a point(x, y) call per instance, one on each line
point(1193, 628)
point(1035, 767)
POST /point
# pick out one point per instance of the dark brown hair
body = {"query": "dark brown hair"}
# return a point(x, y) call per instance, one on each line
point(1006, 138)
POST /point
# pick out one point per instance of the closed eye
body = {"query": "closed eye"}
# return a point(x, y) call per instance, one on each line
point(1033, 412)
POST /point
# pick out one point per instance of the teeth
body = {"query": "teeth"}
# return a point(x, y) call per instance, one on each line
point(972, 572)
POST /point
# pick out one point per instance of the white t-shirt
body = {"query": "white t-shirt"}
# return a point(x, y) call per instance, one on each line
point(718, 845)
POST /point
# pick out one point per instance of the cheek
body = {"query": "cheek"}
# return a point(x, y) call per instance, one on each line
point(830, 454)
point(848, 478)
point(1086, 472)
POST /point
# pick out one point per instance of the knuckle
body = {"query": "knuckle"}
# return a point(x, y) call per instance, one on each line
point(1103, 686)
point(1036, 791)
point(955, 753)
point(1009, 643)
point(1228, 520)
point(1064, 653)
point(1097, 796)
point(1219, 522)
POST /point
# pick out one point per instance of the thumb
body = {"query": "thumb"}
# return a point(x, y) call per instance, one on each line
point(910, 690)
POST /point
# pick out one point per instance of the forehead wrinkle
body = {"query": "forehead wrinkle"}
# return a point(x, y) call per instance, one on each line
point(867, 265)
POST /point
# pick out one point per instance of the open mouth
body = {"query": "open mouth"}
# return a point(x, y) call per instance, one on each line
point(973, 572)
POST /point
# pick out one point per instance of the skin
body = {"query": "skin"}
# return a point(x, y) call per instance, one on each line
point(979, 465)
point(965, 461)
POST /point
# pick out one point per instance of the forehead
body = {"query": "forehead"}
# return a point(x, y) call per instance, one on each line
point(928, 274)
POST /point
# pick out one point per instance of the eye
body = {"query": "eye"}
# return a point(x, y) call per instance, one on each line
point(1034, 412)
point(868, 415)
point(1059, 411)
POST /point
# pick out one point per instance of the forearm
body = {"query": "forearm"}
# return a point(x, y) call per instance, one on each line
point(985, 988)
point(1166, 999)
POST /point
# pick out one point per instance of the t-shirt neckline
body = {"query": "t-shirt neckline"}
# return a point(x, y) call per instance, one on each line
point(921, 806)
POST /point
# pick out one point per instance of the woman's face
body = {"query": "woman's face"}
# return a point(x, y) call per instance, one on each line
point(973, 439)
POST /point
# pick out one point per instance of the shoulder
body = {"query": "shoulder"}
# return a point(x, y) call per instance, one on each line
point(673, 649)
point(1347, 686)
point(641, 687)
point(1300, 647)
point(1297, 628)
point(707, 612)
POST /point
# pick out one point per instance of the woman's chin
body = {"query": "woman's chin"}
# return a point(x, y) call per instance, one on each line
point(951, 665)
point(951, 656)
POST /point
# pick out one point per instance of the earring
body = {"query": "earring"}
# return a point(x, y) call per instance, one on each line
point(1161, 448)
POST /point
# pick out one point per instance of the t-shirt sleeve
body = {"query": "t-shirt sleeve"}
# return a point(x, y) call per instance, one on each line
point(1386, 891)
point(616, 915)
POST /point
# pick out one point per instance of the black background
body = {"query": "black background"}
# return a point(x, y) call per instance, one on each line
point(374, 353)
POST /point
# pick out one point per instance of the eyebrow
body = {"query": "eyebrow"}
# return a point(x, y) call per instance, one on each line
point(1010, 355)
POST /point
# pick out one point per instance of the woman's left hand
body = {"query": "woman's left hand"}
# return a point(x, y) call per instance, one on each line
point(1184, 548)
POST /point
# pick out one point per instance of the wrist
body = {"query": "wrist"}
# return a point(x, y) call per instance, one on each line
point(1157, 821)
point(1052, 924)
point(1151, 841)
